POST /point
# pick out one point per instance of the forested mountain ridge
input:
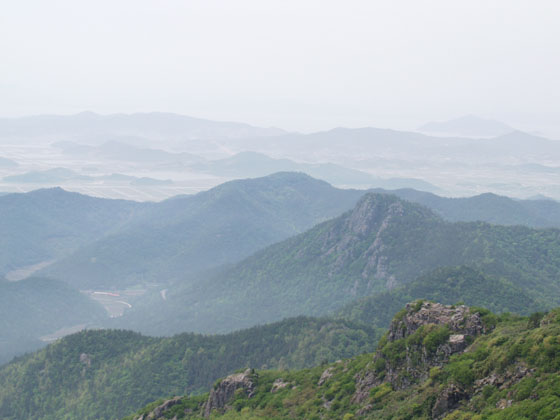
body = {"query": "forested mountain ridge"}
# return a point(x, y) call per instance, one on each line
point(121, 242)
point(447, 285)
point(486, 207)
point(47, 224)
point(186, 234)
point(105, 374)
point(91, 239)
point(35, 307)
point(382, 243)
point(435, 362)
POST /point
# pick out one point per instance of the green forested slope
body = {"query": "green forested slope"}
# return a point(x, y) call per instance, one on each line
point(47, 224)
point(448, 285)
point(384, 242)
point(186, 234)
point(105, 374)
point(486, 207)
point(35, 307)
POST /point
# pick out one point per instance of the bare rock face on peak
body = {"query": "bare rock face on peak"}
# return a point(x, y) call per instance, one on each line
point(458, 319)
point(226, 389)
point(157, 413)
point(422, 336)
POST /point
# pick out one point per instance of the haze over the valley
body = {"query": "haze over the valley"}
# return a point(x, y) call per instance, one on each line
point(132, 100)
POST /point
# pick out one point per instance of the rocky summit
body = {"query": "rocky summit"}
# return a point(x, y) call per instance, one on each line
point(422, 336)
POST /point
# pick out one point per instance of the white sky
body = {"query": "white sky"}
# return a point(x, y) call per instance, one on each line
point(301, 65)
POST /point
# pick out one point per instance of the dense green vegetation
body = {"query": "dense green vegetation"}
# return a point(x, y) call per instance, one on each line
point(447, 285)
point(189, 233)
point(384, 242)
point(511, 372)
point(44, 225)
point(104, 374)
point(35, 307)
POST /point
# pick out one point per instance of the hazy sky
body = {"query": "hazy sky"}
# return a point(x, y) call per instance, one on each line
point(300, 65)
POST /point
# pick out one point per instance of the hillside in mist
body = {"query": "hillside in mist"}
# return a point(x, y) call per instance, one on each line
point(467, 126)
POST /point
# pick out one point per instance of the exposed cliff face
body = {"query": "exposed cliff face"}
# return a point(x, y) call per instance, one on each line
point(367, 222)
point(224, 392)
point(158, 412)
point(459, 319)
point(422, 336)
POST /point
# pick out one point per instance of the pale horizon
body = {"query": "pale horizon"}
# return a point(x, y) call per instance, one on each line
point(302, 66)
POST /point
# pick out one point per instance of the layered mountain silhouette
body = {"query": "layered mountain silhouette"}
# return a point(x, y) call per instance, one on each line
point(383, 243)
point(468, 126)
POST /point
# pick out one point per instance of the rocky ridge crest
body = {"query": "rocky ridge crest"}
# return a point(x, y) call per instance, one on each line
point(422, 336)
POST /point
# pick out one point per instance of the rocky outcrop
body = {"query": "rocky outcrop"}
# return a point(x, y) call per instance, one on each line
point(446, 330)
point(325, 376)
point(278, 384)
point(158, 412)
point(224, 392)
point(85, 359)
point(504, 380)
point(448, 400)
point(458, 319)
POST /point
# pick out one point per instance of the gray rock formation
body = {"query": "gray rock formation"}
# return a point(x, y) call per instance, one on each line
point(158, 412)
point(448, 400)
point(459, 319)
point(225, 390)
point(461, 326)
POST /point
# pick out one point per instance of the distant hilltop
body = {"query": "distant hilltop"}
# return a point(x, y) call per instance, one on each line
point(467, 126)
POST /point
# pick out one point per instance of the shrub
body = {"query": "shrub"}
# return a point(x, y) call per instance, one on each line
point(435, 338)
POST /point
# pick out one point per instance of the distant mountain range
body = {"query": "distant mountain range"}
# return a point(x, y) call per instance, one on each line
point(146, 131)
point(153, 126)
point(253, 164)
point(362, 144)
point(183, 148)
point(240, 165)
point(120, 150)
point(48, 176)
point(467, 126)
point(58, 176)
